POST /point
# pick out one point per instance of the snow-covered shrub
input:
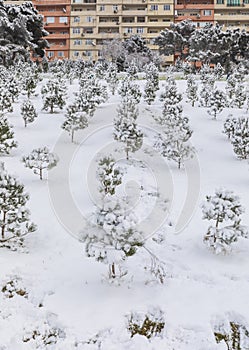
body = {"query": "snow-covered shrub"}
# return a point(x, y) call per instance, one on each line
point(6, 136)
point(15, 223)
point(14, 287)
point(75, 120)
point(40, 159)
point(42, 335)
point(223, 207)
point(28, 112)
point(148, 324)
point(152, 82)
point(232, 331)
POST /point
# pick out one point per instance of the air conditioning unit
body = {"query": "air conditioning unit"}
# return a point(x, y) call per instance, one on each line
point(125, 34)
point(198, 16)
point(82, 34)
point(115, 11)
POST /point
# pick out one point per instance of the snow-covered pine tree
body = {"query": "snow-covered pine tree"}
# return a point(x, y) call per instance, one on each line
point(170, 95)
point(75, 120)
point(230, 86)
point(223, 208)
point(152, 82)
point(229, 126)
point(217, 102)
point(149, 92)
point(218, 71)
point(53, 94)
point(126, 130)
point(132, 70)
point(130, 90)
point(40, 159)
point(29, 82)
point(13, 87)
point(109, 176)
point(240, 138)
point(28, 112)
point(206, 89)
point(173, 142)
point(115, 238)
point(191, 90)
point(5, 100)
point(152, 74)
point(7, 141)
point(14, 223)
point(112, 77)
point(239, 96)
point(91, 94)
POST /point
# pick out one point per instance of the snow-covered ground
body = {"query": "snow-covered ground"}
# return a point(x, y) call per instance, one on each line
point(71, 291)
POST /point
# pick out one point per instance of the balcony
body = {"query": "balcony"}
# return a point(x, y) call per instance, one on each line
point(231, 18)
point(194, 6)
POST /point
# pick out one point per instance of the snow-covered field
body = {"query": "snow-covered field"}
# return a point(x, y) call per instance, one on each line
point(70, 291)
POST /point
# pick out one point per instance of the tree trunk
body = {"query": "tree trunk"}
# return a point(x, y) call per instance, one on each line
point(52, 108)
point(3, 227)
point(179, 164)
point(127, 154)
point(113, 273)
point(217, 221)
point(72, 134)
point(40, 173)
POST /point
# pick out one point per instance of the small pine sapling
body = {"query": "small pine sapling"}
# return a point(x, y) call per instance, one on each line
point(109, 176)
point(192, 90)
point(240, 138)
point(229, 126)
point(40, 159)
point(53, 95)
point(126, 130)
point(75, 120)
point(7, 141)
point(223, 207)
point(28, 112)
point(217, 102)
point(14, 223)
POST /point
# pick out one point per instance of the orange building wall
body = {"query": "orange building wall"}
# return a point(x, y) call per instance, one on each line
point(55, 13)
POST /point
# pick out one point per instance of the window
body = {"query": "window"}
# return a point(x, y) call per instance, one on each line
point(89, 42)
point(50, 20)
point(115, 8)
point(154, 7)
point(166, 7)
point(88, 30)
point(89, 19)
point(76, 53)
point(128, 30)
point(207, 13)
point(60, 53)
point(50, 54)
point(140, 30)
point(102, 8)
point(77, 42)
point(233, 2)
point(76, 19)
point(63, 20)
point(76, 30)
point(88, 53)
point(220, 2)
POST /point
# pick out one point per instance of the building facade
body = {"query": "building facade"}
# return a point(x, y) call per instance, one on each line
point(78, 28)
point(96, 21)
point(57, 23)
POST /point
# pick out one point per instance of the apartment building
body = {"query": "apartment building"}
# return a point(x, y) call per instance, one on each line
point(199, 11)
point(232, 13)
point(57, 22)
point(95, 21)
